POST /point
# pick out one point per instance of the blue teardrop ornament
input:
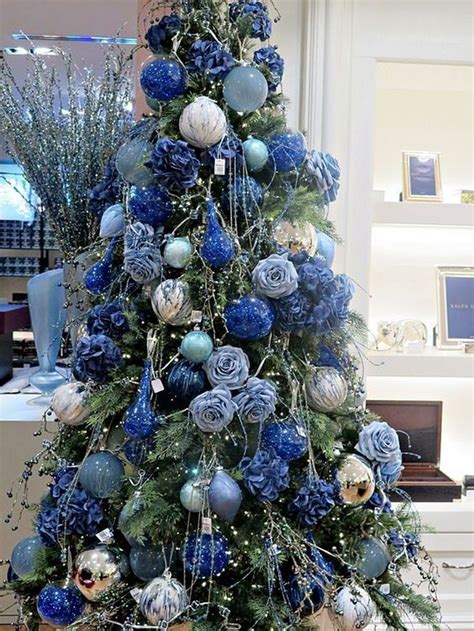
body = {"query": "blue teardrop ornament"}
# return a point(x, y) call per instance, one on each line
point(217, 247)
point(225, 496)
point(99, 276)
point(140, 421)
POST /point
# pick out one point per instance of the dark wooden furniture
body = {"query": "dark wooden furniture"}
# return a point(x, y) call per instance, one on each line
point(419, 426)
point(12, 318)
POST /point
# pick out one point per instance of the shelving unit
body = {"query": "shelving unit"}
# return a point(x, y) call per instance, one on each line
point(423, 214)
point(432, 363)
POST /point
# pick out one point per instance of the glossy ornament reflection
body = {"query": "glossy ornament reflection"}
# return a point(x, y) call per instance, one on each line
point(95, 571)
point(245, 89)
point(140, 420)
point(101, 474)
point(249, 318)
point(25, 555)
point(256, 154)
point(296, 236)
point(356, 480)
point(217, 247)
point(196, 346)
point(99, 276)
point(131, 160)
point(163, 79)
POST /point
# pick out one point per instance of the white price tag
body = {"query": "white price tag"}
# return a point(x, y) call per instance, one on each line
point(196, 316)
point(301, 431)
point(157, 386)
point(206, 526)
point(105, 536)
point(136, 593)
point(219, 166)
point(385, 589)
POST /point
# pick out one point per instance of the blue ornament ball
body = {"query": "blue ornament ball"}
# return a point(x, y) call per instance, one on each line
point(245, 89)
point(244, 194)
point(326, 248)
point(131, 160)
point(151, 205)
point(206, 555)
point(186, 381)
point(374, 558)
point(256, 154)
point(163, 79)
point(60, 606)
point(287, 151)
point(249, 318)
point(25, 554)
point(197, 347)
point(101, 474)
point(305, 593)
point(178, 252)
point(148, 561)
point(288, 439)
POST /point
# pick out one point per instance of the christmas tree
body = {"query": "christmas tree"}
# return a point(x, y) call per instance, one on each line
point(215, 465)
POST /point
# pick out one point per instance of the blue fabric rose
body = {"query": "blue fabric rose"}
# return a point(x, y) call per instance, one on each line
point(272, 63)
point(160, 36)
point(257, 401)
point(208, 56)
point(275, 277)
point(256, 13)
point(228, 366)
point(107, 319)
point(106, 193)
point(174, 163)
point(96, 356)
point(325, 172)
point(389, 472)
point(142, 258)
point(213, 410)
point(379, 442)
point(313, 501)
point(265, 475)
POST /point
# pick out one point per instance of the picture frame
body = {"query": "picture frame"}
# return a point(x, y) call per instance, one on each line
point(421, 176)
point(455, 297)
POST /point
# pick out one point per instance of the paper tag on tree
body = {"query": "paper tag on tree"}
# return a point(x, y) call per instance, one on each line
point(157, 386)
point(136, 593)
point(219, 166)
point(105, 536)
point(385, 589)
point(301, 431)
point(206, 526)
point(196, 316)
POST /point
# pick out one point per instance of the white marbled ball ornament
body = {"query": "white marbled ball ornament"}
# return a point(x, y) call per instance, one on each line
point(326, 389)
point(178, 252)
point(171, 302)
point(163, 599)
point(351, 609)
point(202, 123)
point(192, 496)
point(69, 403)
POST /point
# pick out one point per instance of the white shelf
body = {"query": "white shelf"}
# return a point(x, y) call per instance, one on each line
point(423, 214)
point(432, 363)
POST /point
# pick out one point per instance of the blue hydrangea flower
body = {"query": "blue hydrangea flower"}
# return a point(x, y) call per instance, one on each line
point(229, 149)
point(408, 542)
point(273, 63)
point(328, 359)
point(256, 13)
point(208, 56)
point(313, 501)
point(160, 36)
point(107, 319)
point(292, 311)
point(257, 401)
point(324, 171)
point(96, 356)
point(265, 475)
point(175, 164)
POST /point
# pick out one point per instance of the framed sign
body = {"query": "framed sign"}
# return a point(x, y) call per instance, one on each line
point(421, 177)
point(455, 306)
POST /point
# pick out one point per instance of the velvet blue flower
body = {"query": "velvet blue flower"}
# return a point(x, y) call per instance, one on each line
point(272, 63)
point(107, 319)
point(408, 542)
point(265, 475)
point(229, 149)
point(96, 356)
point(328, 359)
point(208, 56)
point(256, 13)
point(106, 193)
point(379, 500)
point(257, 401)
point(324, 171)
point(160, 36)
point(313, 501)
point(175, 163)
point(292, 312)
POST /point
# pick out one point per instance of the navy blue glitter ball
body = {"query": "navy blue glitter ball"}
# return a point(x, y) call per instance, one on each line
point(163, 79)
point(288, 439)
point(206, 555)
point(151, 205)
point(60, 606)
point(249, 318)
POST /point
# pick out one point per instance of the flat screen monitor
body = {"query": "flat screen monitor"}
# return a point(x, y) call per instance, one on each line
point(17, 198)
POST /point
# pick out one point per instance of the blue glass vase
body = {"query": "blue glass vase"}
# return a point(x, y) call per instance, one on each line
point(140, 421)
point(46, 297)
point(217, 247)
point(99, 276)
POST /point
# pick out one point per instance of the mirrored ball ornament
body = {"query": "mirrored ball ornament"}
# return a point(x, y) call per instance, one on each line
point(60, 606)
point(163, 79)
point(163, 599)
point(256, 154)
point(178, 252)
point(197, 347)
point(326, 389)
point(25, 555)
point(296, 236)
point(70, 403)
point(202, 123)
point(101, 474)
point(192, 495)
point(356, 479)
point(171, 301)
point(131, 160)
point(351, 609)
point(245, 89)
point(95, 571)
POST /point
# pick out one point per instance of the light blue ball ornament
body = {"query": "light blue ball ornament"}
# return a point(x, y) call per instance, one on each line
point(326, 248)
point(192, 495)
point(25, 554)
point(289, 439)
point(245, 89)
point(163, 79)
point(112, 223)
point(197, 347)
point(148, 561)
point(178, 252)
point(60, 606)
point(101, 474)
point(287, 151)
point(374, 558)
point(249, 318)
point(256, 154)
point(131, 159)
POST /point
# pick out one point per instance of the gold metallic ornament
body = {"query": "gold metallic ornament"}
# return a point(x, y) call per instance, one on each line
point(296, 236)
point(357, 481)
point(95, 571)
